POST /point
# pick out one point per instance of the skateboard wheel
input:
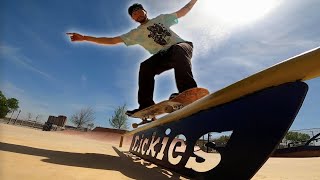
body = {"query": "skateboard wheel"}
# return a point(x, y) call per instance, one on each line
point(134, 125)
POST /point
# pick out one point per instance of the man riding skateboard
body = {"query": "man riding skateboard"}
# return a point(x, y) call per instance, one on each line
point(167, 48)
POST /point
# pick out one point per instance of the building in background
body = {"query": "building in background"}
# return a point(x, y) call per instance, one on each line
point(59, 121)
point(56, 122)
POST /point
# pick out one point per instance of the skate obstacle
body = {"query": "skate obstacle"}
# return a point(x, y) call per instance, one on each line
point(258, 111)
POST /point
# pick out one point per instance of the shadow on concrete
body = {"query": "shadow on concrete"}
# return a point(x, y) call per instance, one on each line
point(127, 163)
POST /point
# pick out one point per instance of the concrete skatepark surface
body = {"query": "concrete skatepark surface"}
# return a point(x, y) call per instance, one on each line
point(27, 153)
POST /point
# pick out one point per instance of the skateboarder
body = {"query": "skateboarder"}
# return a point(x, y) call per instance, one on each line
point(167, 48)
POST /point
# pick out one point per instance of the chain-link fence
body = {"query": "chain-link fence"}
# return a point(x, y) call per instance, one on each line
point(26, 123)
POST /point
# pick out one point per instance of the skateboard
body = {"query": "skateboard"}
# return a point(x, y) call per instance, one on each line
point(149, 114)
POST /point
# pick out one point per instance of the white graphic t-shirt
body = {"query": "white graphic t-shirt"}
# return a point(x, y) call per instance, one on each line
point(155, 35)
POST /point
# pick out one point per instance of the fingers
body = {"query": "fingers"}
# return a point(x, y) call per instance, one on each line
point(71, 35)
point(75, 36)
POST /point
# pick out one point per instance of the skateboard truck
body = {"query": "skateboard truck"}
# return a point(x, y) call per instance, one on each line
point(144, 121)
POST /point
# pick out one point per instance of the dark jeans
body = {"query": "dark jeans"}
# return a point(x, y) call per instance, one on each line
point(177, 57)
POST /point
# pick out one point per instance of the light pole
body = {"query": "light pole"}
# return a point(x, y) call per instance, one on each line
point(17, 117)
point(10, 117)
point(314, 142)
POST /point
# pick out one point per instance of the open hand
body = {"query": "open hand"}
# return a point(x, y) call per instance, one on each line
point(76, 37)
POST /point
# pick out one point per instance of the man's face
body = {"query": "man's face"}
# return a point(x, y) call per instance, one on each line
point(139, 15)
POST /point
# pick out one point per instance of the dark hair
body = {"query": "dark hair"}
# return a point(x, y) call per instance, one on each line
point(134, 7)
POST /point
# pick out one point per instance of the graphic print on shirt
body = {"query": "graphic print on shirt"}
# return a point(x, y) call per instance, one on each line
point(159, 34)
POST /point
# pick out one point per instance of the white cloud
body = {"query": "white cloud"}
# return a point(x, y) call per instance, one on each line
point(12, 90)
point(104, 107)
point(27, 103)
point(83, 77)
point(14, 55)
point(209, 26)
point(5, 49)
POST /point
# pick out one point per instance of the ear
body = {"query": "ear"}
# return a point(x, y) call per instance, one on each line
point(145, 12)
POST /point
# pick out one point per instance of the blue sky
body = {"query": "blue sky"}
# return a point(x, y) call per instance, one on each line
point(52, 76)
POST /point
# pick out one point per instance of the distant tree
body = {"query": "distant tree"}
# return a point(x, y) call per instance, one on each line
point(83, 117)
point(38, 118)
point(7, 105)
point(3, 106)
point(119, 120)
point(90, 126)
point(222, 140)
point(13, 104)
point(29, 116)
point(296, 137)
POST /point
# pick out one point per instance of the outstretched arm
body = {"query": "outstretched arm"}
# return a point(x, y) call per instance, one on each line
point(98, 40)
point(183, 11)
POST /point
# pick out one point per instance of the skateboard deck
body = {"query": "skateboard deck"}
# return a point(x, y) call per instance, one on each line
point(168, 106)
